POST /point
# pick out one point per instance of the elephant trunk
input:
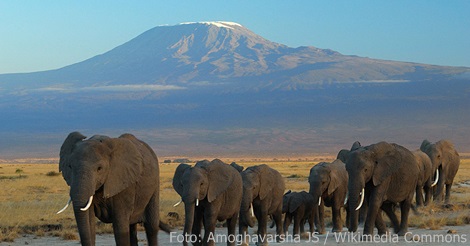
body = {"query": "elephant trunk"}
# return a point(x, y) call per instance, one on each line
point(246, 209)
point(189, 209)
point(356, 195)
point(83, 224)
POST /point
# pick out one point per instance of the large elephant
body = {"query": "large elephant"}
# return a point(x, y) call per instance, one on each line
point(446, 161)
point(210, 191)
point(114, 179)
point(263, 188)
point(328, 187)
point(298, 206)
point(387, 174)
point(425, 178)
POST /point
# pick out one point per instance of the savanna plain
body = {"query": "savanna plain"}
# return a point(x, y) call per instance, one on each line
point(32, 191)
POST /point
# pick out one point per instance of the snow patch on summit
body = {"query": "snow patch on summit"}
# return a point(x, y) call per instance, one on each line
point(225, 24)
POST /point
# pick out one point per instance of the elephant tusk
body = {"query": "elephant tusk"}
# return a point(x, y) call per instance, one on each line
point(346, 199)
point(252, 211)
point(88, 204)
point(178, 203)
point(319, 201)
point(197, 202)
point(362, 200)
point(437, 178)
point(66, 206)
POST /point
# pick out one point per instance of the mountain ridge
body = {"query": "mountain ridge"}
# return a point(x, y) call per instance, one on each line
point(214, 52)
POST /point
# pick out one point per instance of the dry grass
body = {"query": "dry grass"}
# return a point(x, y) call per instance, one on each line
point(30, 198)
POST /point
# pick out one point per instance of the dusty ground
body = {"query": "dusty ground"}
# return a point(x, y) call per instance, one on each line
point(454, 235)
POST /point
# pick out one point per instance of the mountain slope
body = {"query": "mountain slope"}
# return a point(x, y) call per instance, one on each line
point(225, 52)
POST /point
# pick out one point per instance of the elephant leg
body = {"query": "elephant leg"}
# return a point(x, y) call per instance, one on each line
point(439, 191)
point(197, 226)
point(152, 220)
point(231, 226)
point(427, 194)
point(297, 218)
point(389, 209)
point(380, 224)
point(302, 224)
point(374, 206)
point(448, 187)
point(363, 212)
point(121, 230)
point(405, 210)
point(133, 234)
point(210, 219)
point(419, 196)
point(287, 221)
point(243, 232)
point(262, 218)
point(310, 224)
point(337, 222)
point(277, 216)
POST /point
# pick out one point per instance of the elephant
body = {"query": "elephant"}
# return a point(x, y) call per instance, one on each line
point(328, 187)
point(210, 191)
point(114, 179)
point(343, 154)
point(386, 174)
point(263, 189)
point(445, 161)
point(298, 206)
point(425, 180)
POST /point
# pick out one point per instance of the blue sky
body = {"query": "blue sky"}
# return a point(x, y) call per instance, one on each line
point(42, 35)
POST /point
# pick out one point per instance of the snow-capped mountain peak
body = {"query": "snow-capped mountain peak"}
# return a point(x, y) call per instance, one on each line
point(225, 24)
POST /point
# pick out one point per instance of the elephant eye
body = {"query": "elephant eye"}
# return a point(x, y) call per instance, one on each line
point(99, 169)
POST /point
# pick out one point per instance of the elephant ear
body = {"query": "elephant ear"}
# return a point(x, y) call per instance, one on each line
point(266, 182)
point(425, 146)
point(385, 166)
point(125, 165)
point(65, 152)
point(295, 200)
point(220, 177)
point(177, 185)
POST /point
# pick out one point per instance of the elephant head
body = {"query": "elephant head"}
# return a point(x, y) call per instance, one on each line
point(205, 181)
point(369, 164)
point(323, 179)
point(107, 165)
point(257, 183)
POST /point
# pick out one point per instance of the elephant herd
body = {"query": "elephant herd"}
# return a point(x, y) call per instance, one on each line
point(119, 179)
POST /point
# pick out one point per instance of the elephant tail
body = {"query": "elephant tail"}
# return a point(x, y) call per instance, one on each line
point(165, 227)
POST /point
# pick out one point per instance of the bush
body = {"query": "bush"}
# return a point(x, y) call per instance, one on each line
point(52, 174)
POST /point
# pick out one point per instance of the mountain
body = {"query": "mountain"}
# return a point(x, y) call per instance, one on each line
point(217, 88)
point(225, 52)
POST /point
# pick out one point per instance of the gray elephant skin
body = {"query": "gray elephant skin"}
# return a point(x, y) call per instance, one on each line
point(114, 179)
point(328, 187)
point(425, 178)
point(298, 207)
point(385, 174)
point(343, 154)
point(263, 189)
point(446, 160)
point(210, 191)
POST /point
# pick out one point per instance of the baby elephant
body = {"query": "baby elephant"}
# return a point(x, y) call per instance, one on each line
point(298, 206)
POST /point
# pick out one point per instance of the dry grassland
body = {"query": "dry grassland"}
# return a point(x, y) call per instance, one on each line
point(31, 195)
